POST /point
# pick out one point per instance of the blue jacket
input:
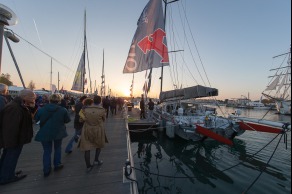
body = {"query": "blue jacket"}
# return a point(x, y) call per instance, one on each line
point(54, 128)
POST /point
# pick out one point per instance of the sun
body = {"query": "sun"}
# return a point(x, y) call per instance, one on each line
point(126, 92)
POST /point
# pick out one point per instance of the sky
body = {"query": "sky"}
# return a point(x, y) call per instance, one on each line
point(236, 42)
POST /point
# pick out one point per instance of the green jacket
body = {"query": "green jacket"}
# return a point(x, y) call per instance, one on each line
point(52, 119)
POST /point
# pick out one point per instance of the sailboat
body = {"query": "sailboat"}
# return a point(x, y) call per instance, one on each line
point(178, 110)
point(279, 88)
point(80, 80)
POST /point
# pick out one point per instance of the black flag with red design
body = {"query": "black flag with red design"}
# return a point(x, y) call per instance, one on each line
point(149, 48)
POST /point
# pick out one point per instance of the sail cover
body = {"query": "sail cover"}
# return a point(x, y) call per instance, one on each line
point(78, 83)
point(189, 93)
point(149, 48)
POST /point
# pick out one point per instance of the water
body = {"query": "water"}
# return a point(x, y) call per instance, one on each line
point(181, 167)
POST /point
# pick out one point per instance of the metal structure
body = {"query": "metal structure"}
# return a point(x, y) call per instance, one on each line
point(7, 18)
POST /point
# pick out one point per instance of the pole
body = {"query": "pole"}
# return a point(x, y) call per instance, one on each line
point(165, 13)
point(84, 50)
point(165, 9)
point(51, 86)
point(15, 62)
point(1, 42)
point(59, 82)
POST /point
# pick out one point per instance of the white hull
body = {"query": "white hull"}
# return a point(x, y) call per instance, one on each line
point(261, 108)
point(284, 107)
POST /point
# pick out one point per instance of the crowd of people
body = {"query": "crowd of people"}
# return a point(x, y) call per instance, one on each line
point(52, 115)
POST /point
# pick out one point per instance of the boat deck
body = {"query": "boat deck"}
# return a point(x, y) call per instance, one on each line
point(73, 178)
point(134, 118)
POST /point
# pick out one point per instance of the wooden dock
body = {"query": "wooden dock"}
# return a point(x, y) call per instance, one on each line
point(73, 178)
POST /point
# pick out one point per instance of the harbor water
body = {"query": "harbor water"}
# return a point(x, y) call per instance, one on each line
point(257, 163)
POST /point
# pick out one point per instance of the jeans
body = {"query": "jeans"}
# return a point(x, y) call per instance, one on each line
point(8, 163)
point(69, 147)
point(47, 146)
point(150, 115)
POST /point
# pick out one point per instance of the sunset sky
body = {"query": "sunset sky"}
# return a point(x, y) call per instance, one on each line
point(236, 41)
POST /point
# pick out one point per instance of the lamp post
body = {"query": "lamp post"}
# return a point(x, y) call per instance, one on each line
point(7, 18)
point(12, 37)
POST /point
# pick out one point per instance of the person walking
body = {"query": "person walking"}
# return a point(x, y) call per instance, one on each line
point(106, 105)
point(150, 108)
point(93, 132)
point(16, 130)
point(77, 126)
point(113, 106)
point(142, 108)
point(52, 119)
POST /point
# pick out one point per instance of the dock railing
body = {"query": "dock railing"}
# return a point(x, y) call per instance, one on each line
point(133, 183)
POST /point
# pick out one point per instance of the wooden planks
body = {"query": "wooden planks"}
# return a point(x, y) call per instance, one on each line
point(74, 178)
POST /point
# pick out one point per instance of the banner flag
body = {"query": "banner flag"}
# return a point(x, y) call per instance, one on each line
point(149, 47)
point(78, 83)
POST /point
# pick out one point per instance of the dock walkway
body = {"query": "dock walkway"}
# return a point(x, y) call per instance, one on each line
point(73, 178)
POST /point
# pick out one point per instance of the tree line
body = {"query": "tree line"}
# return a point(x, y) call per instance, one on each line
point(6, 79)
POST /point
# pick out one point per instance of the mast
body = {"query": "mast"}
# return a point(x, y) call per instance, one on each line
point(102, 89)
point(51, 85)
point(59, 82)
point(165, 14)
point(84, 50)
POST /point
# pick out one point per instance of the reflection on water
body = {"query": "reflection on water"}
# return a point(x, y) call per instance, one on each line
point(177, 166)
point(259, 114)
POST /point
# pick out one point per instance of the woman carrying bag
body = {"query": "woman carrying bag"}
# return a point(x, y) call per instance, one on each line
point(52, 119)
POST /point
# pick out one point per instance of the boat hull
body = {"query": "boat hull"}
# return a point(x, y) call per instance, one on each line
point(283, 107)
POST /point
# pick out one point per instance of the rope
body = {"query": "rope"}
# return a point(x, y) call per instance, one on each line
point(264, 167)
point(40, 50)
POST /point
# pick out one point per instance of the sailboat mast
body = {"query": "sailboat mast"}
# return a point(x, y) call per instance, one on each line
point(51, 85)
point(84, 50)
point(165, 15)
point(102, 89)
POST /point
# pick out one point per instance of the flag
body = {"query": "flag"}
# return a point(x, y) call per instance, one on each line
point(78, 83)
point(149, 48)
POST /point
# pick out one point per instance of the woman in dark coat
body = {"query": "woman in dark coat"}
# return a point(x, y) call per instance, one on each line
point(52, 119)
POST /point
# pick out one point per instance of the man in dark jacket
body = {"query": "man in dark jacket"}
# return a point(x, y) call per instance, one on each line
point(77, 125)
point(150, 109)
point(106, 105)
point(142, 107)
point(15, 133)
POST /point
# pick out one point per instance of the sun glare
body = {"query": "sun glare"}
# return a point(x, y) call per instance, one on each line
point(127, 92)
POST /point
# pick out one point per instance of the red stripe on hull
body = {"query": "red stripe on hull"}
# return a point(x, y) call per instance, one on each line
point(211, 134)
point(259, 127)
